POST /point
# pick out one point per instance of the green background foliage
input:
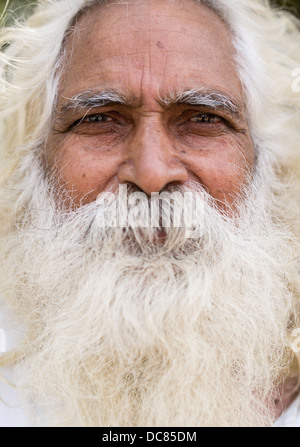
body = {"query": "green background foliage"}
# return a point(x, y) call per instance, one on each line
point(20, 5)
point(15, 5)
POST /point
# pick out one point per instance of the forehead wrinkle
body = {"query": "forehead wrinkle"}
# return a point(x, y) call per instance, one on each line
point(154, 71)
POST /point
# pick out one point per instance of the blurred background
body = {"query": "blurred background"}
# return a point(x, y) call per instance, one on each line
point(18, 6)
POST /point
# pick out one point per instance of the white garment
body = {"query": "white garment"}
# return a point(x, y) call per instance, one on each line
point(11, 412)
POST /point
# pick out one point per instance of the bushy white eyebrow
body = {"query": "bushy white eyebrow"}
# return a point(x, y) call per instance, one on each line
point(202, 98)
point(88, 100)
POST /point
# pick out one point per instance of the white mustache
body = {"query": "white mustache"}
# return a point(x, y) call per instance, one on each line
point(182, 220)
point(179, 218)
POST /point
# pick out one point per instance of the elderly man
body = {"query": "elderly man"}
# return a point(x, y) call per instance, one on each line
point(114, 111)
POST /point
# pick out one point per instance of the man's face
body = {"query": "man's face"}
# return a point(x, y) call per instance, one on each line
point(147, 55)
point(192, 332)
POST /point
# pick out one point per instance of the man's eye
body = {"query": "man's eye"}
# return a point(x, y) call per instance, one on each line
point(98, 118)
point(206, 118)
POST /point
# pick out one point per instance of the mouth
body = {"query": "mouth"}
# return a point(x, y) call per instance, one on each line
point(149, 241)
point(159, 235)
point(155, 236)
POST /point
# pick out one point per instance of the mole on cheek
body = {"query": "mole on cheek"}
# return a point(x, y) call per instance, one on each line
point(159, 45)
point(83, 175)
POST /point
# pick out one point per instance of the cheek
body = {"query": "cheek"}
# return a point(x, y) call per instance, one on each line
point(224, 173)
point(222, 178)
point(84, 173)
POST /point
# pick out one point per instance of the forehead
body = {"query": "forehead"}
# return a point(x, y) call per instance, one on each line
point(150, 47)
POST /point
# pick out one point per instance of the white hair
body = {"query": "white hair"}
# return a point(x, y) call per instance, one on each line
point(267, 52)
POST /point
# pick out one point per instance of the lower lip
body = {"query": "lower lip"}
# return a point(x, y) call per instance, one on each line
point(159, 235)
point(156, 236)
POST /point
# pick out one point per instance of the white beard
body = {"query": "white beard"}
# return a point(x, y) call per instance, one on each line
point(192, 333)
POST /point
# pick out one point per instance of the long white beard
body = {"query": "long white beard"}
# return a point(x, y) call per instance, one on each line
point(190, 333)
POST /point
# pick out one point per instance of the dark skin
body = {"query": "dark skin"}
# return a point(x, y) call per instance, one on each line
point(147, 50)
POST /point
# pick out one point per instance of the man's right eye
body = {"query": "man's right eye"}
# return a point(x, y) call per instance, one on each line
point(99, 123)
point(97, 118)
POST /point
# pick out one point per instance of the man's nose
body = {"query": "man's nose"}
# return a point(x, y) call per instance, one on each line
point(152, 163)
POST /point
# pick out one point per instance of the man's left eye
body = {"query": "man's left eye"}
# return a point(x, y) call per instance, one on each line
point(206, 118)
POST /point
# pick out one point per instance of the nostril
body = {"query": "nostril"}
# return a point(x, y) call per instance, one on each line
point(172, 186)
